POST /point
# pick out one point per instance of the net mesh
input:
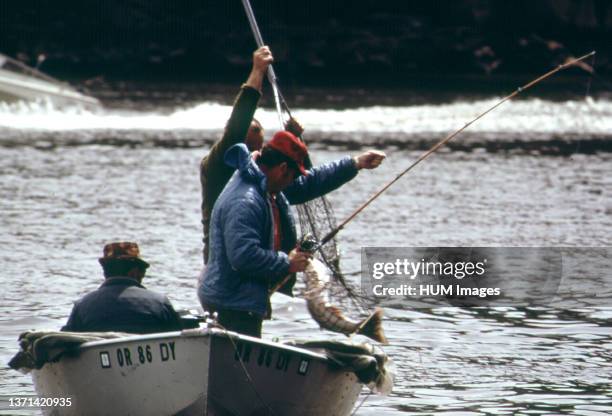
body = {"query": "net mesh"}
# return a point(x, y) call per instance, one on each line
point(317, 218)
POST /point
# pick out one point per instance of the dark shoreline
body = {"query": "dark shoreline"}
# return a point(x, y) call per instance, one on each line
point(345, 43)
point(337, 95)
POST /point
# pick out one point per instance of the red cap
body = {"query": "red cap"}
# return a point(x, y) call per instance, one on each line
point(290, 146)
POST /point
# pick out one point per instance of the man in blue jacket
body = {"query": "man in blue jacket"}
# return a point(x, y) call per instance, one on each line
point(240, 128)
point(252, 232)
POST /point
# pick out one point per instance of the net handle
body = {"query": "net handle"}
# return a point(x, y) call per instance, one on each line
point(278, 97)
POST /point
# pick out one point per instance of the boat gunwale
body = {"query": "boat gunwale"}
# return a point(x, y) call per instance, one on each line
point(205, 332)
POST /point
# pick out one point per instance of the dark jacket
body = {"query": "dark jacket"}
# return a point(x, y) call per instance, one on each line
point(242, 264)
point(122, 304)
point(214, 173)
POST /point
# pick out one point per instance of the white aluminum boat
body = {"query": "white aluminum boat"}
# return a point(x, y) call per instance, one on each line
point(204, 371)
point(21, 82)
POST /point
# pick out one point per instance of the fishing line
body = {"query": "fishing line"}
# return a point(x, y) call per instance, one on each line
point(530, 84)
point(367, 396)
point(587, 93)
point(589, 82)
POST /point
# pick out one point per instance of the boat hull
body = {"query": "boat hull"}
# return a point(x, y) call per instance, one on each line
point(129, 377)
point(19, 87)
point(276, 380)
point(196, 373)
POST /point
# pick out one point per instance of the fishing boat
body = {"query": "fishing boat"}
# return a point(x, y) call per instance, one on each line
point(19, 82)
point(200, 371)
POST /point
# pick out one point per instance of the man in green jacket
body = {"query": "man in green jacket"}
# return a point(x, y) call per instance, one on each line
point(240, 128)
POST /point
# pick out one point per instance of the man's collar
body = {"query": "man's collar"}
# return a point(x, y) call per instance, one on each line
point(121, 281)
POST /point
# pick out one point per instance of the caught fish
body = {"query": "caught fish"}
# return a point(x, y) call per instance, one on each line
point(329, 316)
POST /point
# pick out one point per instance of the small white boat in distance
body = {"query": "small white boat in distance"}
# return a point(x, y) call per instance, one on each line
point(19, 82)
point(201, 371)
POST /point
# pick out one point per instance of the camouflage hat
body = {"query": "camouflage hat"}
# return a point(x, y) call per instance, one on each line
point(122, 251)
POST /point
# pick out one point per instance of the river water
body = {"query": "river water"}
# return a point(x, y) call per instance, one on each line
point(537, 172)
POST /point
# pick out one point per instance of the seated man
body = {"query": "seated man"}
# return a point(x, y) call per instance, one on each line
point(252, 231)
point(121, 303)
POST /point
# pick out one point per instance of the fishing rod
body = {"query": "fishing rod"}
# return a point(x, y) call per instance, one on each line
point(448, 138)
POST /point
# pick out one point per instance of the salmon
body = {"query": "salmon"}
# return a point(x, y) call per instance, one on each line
point(331, 317)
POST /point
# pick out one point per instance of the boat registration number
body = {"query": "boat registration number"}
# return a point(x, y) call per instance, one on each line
point(138, 354)
point(267, 357)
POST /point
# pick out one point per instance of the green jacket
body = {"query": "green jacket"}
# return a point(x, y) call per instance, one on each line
point(214, 173)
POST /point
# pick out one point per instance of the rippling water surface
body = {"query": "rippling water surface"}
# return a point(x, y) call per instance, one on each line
point(535, 173)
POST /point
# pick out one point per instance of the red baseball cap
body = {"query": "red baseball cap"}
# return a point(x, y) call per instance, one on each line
point(292, 147)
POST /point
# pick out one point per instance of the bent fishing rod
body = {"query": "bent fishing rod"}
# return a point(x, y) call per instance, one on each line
point(447, 139)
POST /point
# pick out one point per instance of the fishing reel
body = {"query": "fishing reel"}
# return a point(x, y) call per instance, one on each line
point(308, 243)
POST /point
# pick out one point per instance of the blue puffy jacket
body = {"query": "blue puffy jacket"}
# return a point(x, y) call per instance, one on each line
point(242, 264)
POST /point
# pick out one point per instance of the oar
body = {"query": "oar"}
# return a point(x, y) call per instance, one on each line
point(425, 155)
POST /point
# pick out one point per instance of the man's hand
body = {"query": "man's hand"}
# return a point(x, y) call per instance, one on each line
point(369, 160)
point(294, 127)
point(298, 260)
point(262, 58)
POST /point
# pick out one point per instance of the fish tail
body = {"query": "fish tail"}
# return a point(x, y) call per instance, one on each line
point(372, 327)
